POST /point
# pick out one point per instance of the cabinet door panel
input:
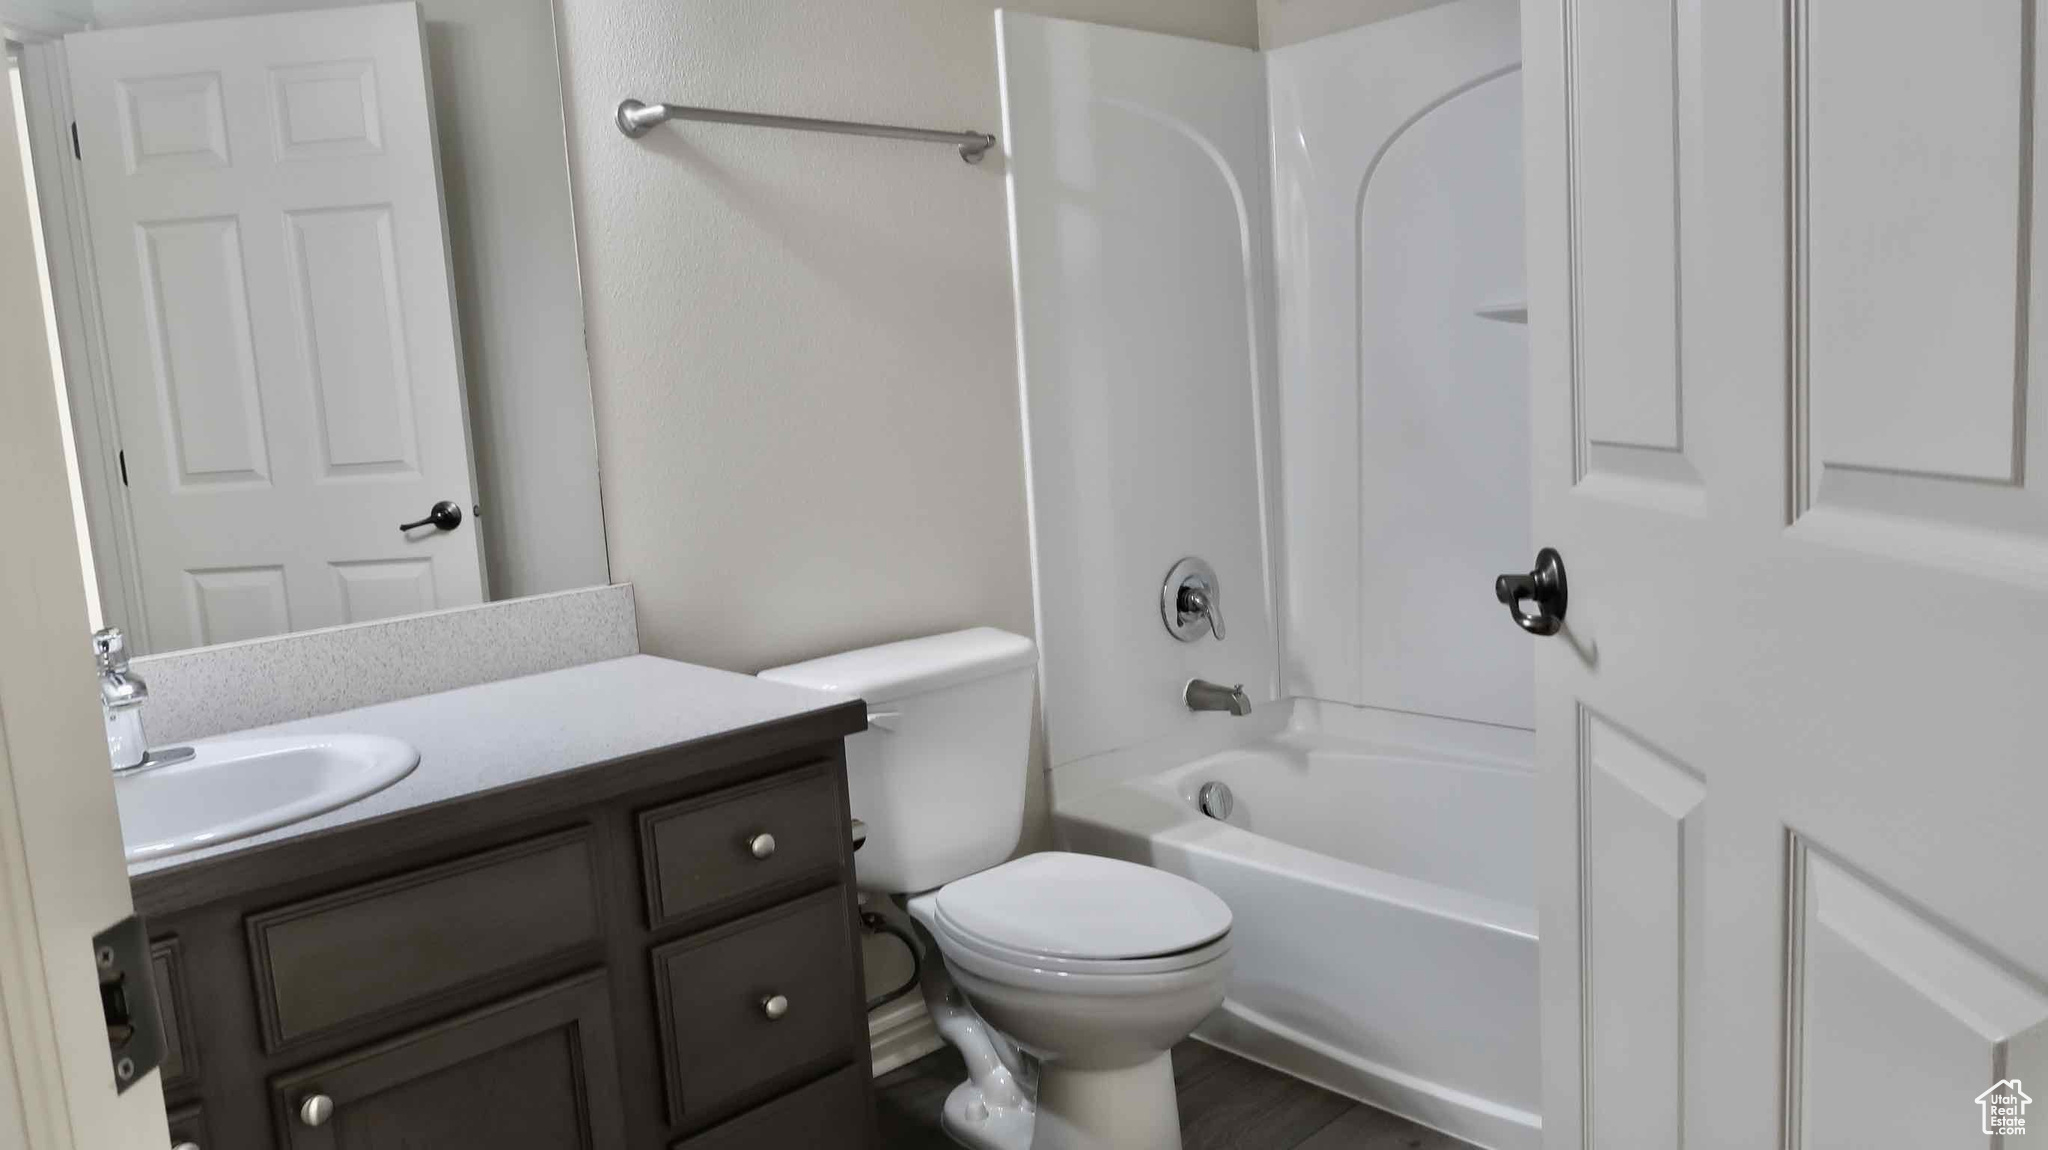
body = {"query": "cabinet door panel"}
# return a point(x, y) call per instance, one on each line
point(188, 1128)
point(181, 1057)
point(538, 1071)
point(365, 952)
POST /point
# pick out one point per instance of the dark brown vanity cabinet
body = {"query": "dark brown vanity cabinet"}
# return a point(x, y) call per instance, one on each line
point(659, 952)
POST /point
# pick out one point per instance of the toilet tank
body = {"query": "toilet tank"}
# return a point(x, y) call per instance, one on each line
point(938, 776)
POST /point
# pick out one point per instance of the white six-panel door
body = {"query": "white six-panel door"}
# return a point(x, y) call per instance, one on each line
point(267, 226)
point(1787, 331)
point(62, 879)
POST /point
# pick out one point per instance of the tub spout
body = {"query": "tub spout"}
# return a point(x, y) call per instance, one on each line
point(1202, 695)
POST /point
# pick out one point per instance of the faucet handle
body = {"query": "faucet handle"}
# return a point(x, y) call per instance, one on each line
point(110, 649)
point(1197, 603)
point(1189, 600)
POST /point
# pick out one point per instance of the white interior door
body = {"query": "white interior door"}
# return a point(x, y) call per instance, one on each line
point(62, 878)
point(265, 207)
point(1787, 318)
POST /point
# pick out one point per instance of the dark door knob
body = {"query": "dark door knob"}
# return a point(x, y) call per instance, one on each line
point(444, 516)
point(1543, 589)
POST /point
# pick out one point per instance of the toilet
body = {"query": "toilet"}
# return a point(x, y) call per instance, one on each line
point(1065, 979)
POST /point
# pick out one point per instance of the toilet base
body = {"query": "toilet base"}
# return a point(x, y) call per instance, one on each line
point(1132, 1108)
point(968, 1120)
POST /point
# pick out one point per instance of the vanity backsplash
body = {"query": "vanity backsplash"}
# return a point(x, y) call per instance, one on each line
point(235, 686)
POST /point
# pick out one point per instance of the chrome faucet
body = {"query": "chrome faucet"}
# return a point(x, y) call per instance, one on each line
point(1189, 601)
point(122, 693)
point(1202, 695)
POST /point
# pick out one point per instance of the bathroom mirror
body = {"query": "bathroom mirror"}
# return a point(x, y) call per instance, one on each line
point(314, 282)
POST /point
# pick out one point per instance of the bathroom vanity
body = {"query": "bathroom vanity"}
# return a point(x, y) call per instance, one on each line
point(613, 907)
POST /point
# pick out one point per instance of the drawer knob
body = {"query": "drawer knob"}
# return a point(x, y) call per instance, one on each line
point(761, 845)
point(186, 1146)
point(774, 1006)
point(316, 1109)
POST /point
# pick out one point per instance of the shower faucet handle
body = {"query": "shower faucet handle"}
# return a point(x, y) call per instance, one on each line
point(1197, 604)
point(1189, 601)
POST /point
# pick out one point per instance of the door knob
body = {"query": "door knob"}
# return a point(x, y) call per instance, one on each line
point(1543, 589)
point(444, 516)
point(316, 1109)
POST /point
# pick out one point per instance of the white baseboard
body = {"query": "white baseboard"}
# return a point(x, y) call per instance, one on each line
point(900, 1034)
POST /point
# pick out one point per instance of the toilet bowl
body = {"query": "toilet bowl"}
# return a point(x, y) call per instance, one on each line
point(1063, 979)
point(1094, 967)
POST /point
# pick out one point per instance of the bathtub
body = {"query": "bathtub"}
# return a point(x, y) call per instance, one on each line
point(1384, 917)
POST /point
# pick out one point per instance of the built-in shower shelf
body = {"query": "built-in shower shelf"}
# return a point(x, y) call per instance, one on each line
point(1505, 311)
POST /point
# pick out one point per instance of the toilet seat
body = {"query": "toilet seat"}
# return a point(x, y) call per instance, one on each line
point(1081, 914)
point(1073, 975)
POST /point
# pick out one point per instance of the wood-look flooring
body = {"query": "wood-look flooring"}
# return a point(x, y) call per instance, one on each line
point(1226, 1103)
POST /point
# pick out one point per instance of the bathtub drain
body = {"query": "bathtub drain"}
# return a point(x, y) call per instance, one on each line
point(1215, 800)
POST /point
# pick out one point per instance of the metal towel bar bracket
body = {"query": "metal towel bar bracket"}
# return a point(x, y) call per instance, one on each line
point(635, 118)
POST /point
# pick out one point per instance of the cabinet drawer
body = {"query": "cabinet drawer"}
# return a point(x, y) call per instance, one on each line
point(701, 853)
point(829, 1114)
point(375, 949)
point(720, 1043)
point(181, 1058)
point(536, 1072)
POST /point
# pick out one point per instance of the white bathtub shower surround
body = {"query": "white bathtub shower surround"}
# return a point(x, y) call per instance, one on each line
point(1384, 908)
point(1403, 382)
point(1343, 425)
point(1139, 229)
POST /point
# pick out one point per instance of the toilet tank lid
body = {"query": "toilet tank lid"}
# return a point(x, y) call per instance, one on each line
point(913, 666)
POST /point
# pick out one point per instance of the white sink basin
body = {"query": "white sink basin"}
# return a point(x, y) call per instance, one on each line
point(237, 787)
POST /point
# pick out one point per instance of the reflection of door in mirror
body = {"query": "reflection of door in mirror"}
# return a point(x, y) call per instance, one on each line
point(264, 202)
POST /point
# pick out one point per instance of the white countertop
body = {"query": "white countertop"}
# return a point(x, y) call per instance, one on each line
point(496, 734)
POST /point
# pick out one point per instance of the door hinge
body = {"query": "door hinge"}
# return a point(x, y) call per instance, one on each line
point(75, 153)
point(135, 1029)
point(123, 457)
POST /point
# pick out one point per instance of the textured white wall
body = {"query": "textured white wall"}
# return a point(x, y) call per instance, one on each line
point(1283, 22)
point(54, 13)
point(498, 113)
point(803, 347)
